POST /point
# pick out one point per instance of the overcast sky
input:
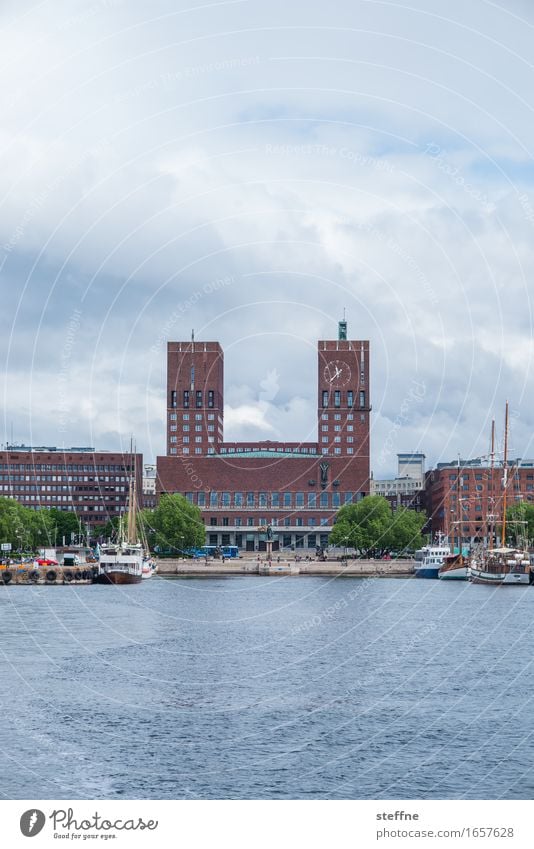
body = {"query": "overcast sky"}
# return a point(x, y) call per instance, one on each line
point(250, 169)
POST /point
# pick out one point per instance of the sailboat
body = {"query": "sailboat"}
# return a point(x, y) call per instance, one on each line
point(502, 565)
point(122, 562)
point(455, 567)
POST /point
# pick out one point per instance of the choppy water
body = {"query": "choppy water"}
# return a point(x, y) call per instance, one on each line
point(267, 688)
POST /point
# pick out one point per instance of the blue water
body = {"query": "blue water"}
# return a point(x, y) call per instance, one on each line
point(260, 687)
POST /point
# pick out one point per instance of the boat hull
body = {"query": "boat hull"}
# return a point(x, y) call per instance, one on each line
point(458, 573)
point(112, 577)
point(479, 576)
point(427, 572)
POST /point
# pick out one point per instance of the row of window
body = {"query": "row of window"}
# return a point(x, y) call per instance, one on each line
point(255, 522)
point(271, 499)
point(211, 450)
point(196, 396)
point(198, 428)
point(173, 417)
point(58, 467)
point(64, 478)
point(341, 397)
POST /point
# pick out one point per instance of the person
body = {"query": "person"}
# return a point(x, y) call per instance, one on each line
point(224, 558)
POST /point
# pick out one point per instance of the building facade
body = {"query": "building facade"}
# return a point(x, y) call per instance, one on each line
point(466, 498)
point(408, 488)
point(92, 484)
point(242, 488)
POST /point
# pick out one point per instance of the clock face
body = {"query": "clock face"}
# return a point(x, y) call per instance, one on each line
point(337, 373)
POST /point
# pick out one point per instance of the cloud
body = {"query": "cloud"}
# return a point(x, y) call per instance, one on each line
point(362, 156)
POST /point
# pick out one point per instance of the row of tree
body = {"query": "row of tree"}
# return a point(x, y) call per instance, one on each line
point(27, 530)
point(368, 526)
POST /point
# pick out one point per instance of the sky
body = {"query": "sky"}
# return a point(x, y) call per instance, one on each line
point(251, 170)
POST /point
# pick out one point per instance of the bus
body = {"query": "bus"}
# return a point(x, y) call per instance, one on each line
point(229, 551)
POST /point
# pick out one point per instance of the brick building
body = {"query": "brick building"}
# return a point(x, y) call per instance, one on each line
point(240, 487)
point(93, 484)
point(470, 497)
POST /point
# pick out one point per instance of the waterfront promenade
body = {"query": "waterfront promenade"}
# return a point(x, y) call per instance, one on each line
point(253, 566)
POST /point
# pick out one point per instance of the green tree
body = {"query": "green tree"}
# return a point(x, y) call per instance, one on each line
point(371, 527)
point(365, 524)
point(520, 523)
point(174, 524)
point(64, 524)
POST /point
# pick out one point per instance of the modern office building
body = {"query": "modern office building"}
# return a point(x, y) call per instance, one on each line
point(244, 487)
point(93, 484)
point(407, 489)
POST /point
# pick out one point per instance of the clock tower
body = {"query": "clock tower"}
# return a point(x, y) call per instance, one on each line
point(343, 397)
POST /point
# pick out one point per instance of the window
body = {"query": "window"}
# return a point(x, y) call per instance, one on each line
point(362, 398)
point(337, 398)
point(336, 499)
point(324, 428)
point(350, 398)
point(299, 499)
point(211, 417)
point(324, 499)
point(238, 522)
point(337, 428)
point(201, 499)
point(312, 499)
point(275, 499)
point(225, 523)
point(348, 498)
point(238, 499)
point(198, 439)
point(198, 417)
point(185, 428)
point(173, 398)
point(325, 398)
point(337, 450)
point(350, 428)
point(324, 439)
point(350, 439)
point(312, 521)
point(324, 417)
point(337, 439)
point(173, 439)
point(199, 398)
point(198, 428)
point(184, 438)
point(287, 499)
point(211, 398)
point(262, 499)
point(198, 450)
point(185, 417)
point(250, 499)
point(250, 521)
point(173, 417)
point(226, 499)
point(213, 520)
point(214, 499)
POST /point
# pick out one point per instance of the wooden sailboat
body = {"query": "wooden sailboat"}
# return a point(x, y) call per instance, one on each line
point(122, 562)
point(455, 567)
point(500, 566)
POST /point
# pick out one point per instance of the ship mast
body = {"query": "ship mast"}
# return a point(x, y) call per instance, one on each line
point(131, 530)
point(505, 477)
point(492, 498)
point(459, 516)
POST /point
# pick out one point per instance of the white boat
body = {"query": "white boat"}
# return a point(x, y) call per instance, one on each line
point(148, 568)
point(455, 567)
point(430, 558)
point(122, 562)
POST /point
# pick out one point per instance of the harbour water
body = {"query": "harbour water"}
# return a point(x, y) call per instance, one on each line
point(252, 687)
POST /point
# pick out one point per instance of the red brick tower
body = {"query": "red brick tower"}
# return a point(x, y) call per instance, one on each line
point(343, 396)
point(195, 397)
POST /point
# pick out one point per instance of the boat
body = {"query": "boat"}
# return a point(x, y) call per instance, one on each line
point(121, 562)
point(148, 568)
point(455, 567)
point(500, 566)
point(430, 558)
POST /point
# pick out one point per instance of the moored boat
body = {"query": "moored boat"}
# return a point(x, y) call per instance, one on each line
point(430, 558)
point(455, 567)
point(122, 562)
point(501, 566)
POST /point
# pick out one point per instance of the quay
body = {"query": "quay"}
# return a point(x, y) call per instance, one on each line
point(302, 568)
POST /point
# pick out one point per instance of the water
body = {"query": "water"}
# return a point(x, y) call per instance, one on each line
point(267, 688)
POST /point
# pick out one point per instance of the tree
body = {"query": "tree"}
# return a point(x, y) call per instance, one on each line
point(64, 523)
point(520, 523)
point(174, 524)
point(370, 526)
